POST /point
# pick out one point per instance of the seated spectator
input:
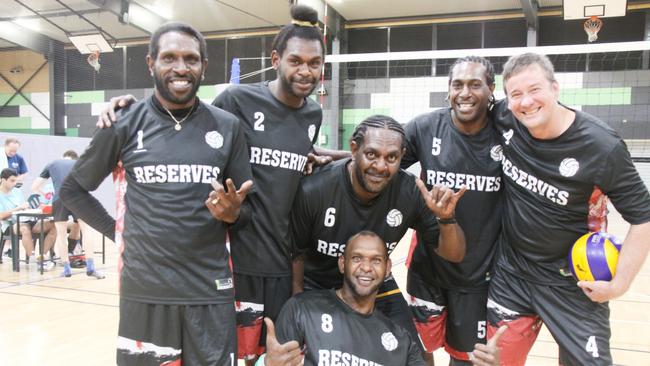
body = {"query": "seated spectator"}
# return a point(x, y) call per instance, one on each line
point(11, 203)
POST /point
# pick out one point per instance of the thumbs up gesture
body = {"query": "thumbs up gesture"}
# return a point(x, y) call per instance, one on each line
point(488, 354)
point(287, 354)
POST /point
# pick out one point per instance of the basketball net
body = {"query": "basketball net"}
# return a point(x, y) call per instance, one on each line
point(592, 26)
point(93, 60)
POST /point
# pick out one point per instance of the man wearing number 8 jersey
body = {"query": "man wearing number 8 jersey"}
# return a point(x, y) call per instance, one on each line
point(457, 146)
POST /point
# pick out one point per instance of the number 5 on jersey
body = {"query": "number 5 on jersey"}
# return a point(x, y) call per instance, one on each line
point(435, 146)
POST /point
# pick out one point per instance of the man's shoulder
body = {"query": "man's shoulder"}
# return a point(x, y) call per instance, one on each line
point(323, 176)
point(431, 118)
point(221, 115)
point(312, 300)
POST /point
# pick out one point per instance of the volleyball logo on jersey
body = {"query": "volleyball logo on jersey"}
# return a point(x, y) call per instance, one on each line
point(496, 153)
point(394, 218)
point(214, 139)
point(389, 341)
point(507, 135)
point(569, 167)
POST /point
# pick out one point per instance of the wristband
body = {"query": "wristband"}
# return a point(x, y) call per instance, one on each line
point(451, 220)
point(260, 360)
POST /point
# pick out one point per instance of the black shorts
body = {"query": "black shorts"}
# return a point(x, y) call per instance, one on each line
point(257, 297)
point(155, 334)
point(579, 325)
point(455, 319)
point(60, 212)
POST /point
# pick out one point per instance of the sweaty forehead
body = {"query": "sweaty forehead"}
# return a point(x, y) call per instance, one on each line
point(178, 42)
point(469, 71)
point(383, 137)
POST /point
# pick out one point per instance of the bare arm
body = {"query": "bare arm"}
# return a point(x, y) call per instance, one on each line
point(298, 269)
point(335, 154)
point(38, 184)
point(633, 255)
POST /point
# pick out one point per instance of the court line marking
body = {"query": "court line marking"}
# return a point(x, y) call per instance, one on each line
point(57, 299)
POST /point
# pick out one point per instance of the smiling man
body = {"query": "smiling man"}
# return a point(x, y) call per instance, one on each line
point(458, 146)
point(554, 158)
point(176, 287)
point(369, 192)
point(342, 327)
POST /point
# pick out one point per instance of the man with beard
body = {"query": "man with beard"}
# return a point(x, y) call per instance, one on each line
point(176, 287)
point(281, 125)
point(369, 192)
point(457, 146)
point(340, 326)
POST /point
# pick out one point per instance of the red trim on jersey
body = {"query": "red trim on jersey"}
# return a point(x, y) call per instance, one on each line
point(518, 339)
point(432, 332)
point(597, 220)
point(172, 363)
point(119, 178)
point(456, 354)
point(248, 339)
point(414, 242)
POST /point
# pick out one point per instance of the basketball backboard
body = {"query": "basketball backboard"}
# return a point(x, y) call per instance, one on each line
point(90, 43)
point(582, 9)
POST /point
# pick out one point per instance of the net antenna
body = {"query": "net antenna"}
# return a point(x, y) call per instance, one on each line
point(592, 26)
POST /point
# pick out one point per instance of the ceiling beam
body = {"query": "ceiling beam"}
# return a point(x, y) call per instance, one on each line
point(133, 14)
point(530, 11)
point(25, 37)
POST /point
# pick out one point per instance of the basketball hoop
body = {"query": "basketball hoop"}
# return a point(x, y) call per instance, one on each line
point(93, 60)
point(592, 26)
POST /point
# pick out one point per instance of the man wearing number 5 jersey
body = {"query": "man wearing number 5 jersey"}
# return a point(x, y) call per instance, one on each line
point(457, 146)
point(369, 192)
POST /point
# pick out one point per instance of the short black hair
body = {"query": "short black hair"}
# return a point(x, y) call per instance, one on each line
point(489, 68)
point(367, 233)
point(71, 154)
point(377, 121)
point(154, 45)
point(6, 173)
point(299, 14)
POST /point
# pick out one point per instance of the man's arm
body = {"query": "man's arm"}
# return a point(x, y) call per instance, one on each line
point(85, 206)
point(442, 202)
point(298, 272)
point(108, 116)
point(633, 254)
point(37, 185)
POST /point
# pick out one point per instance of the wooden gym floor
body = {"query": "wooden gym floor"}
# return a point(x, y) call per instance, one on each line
point(49, 320)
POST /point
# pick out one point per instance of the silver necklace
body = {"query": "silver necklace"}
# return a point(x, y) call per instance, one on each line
point(178, 123)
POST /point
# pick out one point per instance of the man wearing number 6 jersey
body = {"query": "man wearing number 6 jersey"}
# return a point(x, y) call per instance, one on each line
point(369, 192)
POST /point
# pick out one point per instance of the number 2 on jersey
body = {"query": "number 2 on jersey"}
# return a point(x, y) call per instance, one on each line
point(326, 324)
point(259, 121)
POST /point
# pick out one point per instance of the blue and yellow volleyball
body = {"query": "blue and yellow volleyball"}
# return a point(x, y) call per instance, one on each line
point(594, 256)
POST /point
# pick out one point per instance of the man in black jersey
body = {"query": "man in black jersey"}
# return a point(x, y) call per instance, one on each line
point(176, 287)
point(281, 125)
point(553, 159)
point(340, 327)
point(369, 192)
point(457, 146)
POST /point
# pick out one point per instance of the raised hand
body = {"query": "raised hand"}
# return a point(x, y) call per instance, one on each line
point(287, 354)
point(488, 354)
point(224, 205)
point(108, 117)
point(441, 200)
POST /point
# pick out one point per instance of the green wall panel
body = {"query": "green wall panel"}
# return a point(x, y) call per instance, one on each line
point(17, 100)
point(15, 123)
point(93, 96)
point(596, 96)
point(354, 116)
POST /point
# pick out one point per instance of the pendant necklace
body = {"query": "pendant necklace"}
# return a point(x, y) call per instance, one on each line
point(178, 123)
